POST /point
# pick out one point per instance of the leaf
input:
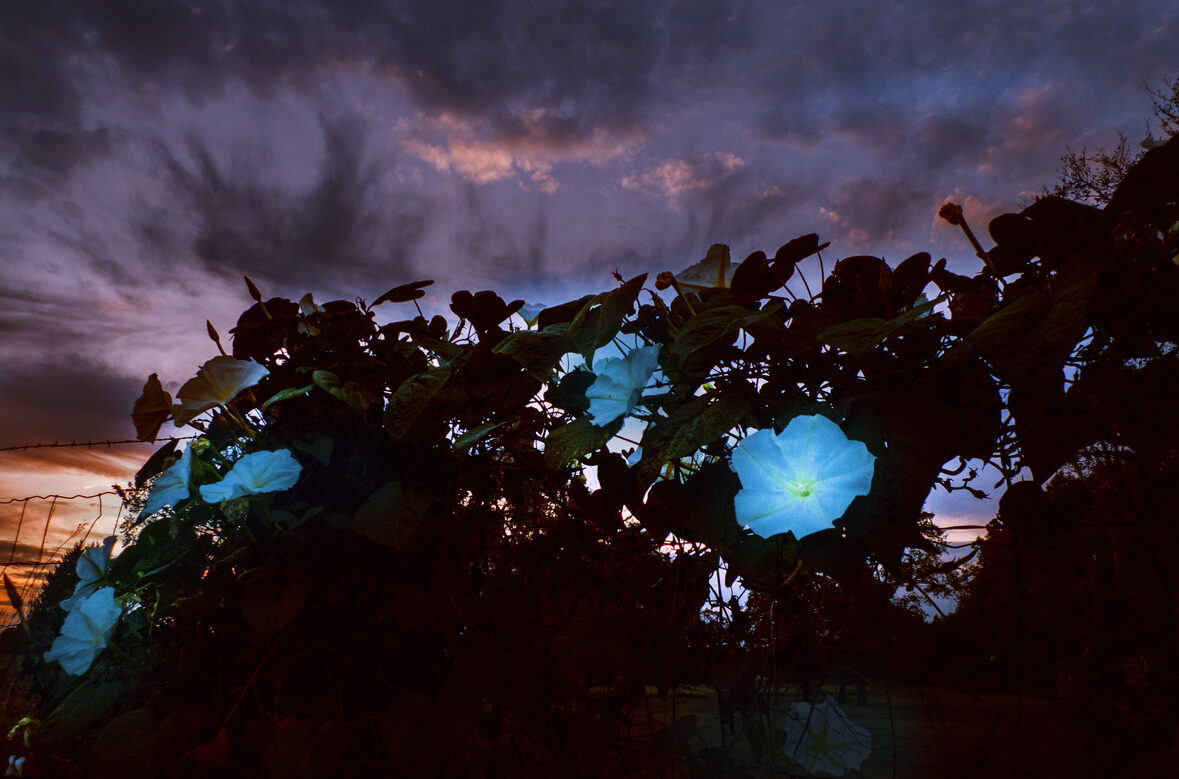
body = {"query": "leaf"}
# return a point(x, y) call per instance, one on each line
point(688, 428)
point(1028, 339)
point(390, 516)
point(572, 441)
point(569, 394)
point(860, 336)
point(798, 249)
point(155, 464)
point(565, 312)
point(597, 324)
point(79, 711)
point(856, 337)
point(411, 398)
point(151, 409)
point(476, 434)
point(909, 279)
point(181, 727)
point(300, 750)
point(354, 394)
point(754, 276)
point(215, 754)
point(269, 604)
point(444, 349)
point(288, 393)
point(14, 598)
point(1006, 339)
point(412, 608)
point(125, 744)
point(538, 351)
point(320, 448)
point(710, 326)
point(399, 727)
point(403, 293)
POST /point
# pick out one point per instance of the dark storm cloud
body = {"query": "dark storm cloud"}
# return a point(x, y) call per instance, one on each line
point(508, 254)
point(720, 196)
point(64, 401)
point(342, 225)
point(871, 213)
point(20, 552)
point(901, 64)
point(590, 65)
point(28, 313)
point(739, 207)
point(40, 100)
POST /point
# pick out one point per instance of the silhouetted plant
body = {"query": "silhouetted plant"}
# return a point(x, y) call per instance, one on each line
point(383, 550)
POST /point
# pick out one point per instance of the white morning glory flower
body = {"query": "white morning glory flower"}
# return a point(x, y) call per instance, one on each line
point(530, 312)
point(171, 486)
point(254, 474)
point(619, 384)
point(217, 382)
point(85, 632)
point(16, 766)
point(822, 738)
point(801, 479)
point(90, 567)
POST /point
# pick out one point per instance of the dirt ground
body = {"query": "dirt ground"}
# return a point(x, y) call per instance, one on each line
point(936, 733)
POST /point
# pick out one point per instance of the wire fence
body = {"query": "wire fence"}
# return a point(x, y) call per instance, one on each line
point(29, 571)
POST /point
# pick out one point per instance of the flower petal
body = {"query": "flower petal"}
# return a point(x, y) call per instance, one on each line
point(641, 364)
point(823, 738)
point(85, 632)
point(619, 382)
point(766, 512)
point(254, 474)
point(92, 563)
point(171, 486)
point(227, 489)
point(852, 456)
point(801, 479)
point(267, 471)
point(530, 312)
point(758, 461)
point(609, 399)
point(217, 382)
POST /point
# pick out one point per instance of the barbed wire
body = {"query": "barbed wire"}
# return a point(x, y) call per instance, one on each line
point(108, 444)
point(58, 497)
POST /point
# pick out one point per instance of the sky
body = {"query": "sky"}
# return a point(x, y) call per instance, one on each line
point(152, 152)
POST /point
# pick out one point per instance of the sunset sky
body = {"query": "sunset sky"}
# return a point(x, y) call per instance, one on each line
point(152, 152)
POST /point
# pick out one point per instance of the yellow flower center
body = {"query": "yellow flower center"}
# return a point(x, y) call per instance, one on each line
point(802, 487)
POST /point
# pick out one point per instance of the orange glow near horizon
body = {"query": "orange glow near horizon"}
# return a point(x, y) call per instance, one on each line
point(51, 500)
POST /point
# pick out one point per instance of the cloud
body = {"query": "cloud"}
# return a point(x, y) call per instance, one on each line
point(931, 87)
point(670, 179)
point(499, 252)
point(554, 73)
point(64, 401)
point(673, 179)
point(524, 148)
point(476, 163)
point(870, 213)
point(241, 220)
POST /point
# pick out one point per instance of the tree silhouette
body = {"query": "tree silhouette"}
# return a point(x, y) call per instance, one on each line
point(1092, 177)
